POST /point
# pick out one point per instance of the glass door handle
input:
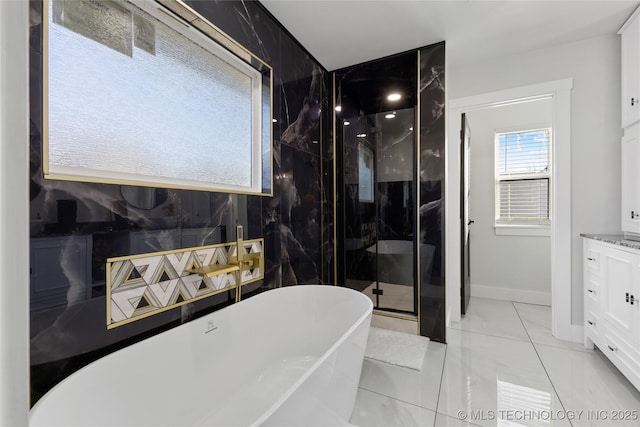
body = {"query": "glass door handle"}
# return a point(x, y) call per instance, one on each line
point(471, 222)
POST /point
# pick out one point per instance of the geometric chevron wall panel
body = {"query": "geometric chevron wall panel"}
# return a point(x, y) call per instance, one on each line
point(142, 285)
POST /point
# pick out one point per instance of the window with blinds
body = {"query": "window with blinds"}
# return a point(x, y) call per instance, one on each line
point(523, 177)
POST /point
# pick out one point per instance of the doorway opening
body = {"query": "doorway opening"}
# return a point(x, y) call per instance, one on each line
point(506, 180)
point(559, 93)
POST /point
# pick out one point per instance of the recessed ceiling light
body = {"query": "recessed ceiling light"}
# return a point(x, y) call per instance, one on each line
point(315, 142)
point(394, 97)
point(411, 128)
point(361, 135)
point(338, 108)
point(275, 120)
point(346, 123)
point(390, 116)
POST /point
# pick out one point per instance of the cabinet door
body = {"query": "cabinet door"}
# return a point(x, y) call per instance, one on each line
point(630, 184)
point(620, 301)
point(631, 73)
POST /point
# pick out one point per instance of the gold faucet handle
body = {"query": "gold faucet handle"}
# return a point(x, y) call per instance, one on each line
point(250, 261)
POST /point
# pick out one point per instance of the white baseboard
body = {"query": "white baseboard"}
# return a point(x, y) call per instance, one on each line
point(517, 295)
point(577, 333)
point(574, 333)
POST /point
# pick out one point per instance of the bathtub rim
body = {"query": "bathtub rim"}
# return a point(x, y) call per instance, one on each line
point(286, 395)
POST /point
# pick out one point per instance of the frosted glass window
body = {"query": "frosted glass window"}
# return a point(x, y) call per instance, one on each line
point(135, 96)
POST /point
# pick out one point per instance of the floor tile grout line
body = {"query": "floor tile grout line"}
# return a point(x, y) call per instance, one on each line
point(553, 386)
point(561, 347)
point(524, 326)
point(564, 347)
point(395, 398)
point(493, 335)
point(415, 404)
point(489, 335)
point(444, 362)
point(468, 423)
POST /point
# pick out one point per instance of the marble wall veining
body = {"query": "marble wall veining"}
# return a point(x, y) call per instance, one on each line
point(76, 226)
point(432, 176)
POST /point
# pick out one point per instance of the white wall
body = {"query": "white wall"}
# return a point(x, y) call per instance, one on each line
point(14, 213)
point(516, 268)
point(594, 65)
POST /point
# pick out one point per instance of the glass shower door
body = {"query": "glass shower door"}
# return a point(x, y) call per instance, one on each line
point(380, 208)
point(396, 211)
point(359, 206)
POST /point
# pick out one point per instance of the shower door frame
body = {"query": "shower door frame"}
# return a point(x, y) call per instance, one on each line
point(340, 229)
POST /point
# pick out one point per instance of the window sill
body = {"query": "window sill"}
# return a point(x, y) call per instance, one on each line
point(522, 230)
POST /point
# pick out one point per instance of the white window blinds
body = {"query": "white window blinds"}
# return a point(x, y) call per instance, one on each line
point(523, 175)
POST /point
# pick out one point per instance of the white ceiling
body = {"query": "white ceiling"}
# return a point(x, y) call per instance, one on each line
point(343, 33)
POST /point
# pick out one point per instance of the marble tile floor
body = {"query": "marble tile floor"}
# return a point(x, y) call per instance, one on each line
point(399, 297)
point(501, 367)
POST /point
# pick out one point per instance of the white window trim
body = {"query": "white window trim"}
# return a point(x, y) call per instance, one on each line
point(523, 227)
point(541, 230)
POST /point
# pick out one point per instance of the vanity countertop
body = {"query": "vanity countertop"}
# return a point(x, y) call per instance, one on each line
point(614, 239)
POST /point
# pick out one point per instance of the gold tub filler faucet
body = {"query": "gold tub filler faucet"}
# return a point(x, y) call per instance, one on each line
point(238, 263)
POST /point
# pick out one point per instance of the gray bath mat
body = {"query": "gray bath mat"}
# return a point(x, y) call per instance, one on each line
point(396, 348)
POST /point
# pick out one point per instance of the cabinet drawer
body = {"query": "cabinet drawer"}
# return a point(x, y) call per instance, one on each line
point(622, 354)
point(592, 291)
point(592, 323)
point(592, 255)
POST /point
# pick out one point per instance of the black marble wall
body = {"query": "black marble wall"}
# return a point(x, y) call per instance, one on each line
point(432, 196)
point(328, 193)
point(76, 226)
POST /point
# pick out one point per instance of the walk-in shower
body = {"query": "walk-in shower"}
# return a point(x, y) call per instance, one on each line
point(377, 175)
point(389, 153)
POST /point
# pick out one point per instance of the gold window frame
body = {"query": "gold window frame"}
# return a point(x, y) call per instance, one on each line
point(195, 25)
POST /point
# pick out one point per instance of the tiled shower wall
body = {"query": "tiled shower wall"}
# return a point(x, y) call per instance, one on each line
point(432, 196)
point(76, 226)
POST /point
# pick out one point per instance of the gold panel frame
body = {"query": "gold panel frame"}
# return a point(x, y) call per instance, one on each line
point(191, 19)
point(139, 286)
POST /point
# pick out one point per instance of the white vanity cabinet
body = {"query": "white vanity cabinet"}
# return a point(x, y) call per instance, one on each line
point(611, 275)
point(630, 42)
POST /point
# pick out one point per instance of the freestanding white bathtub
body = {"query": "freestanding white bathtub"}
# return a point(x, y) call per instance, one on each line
point(287, 357)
